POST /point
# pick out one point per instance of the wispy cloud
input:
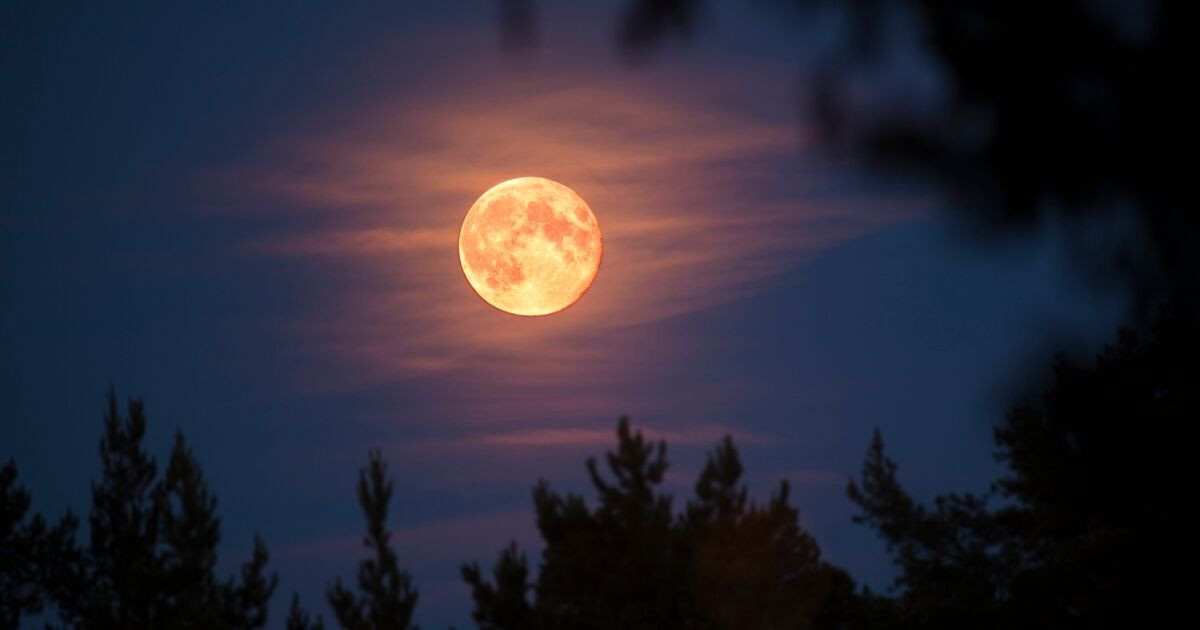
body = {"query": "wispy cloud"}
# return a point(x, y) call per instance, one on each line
point(701, 434)
point(591, 439)
point(702, 200)
point(699, 205)
point(356, 242)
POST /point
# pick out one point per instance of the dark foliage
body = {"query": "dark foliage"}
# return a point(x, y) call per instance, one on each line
point(1069, 108)
point(751, 565)
point(518, 25)
point(21, 537)
point(630, 562)
point(1093, 526)
point(952, 569)
point(386, 599)
point(120, 575)
point(503, 603)
point(299, 619)
point(150, 557)
point(1072, 107)
point(617, 565)
point(646, 23)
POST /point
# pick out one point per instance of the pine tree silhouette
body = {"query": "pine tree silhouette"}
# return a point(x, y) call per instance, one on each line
point(152, 545)
point(299, 619)
point(752, 566)
point(1095, 517)
point(120, 578)
point(726, 562)
point(190, 533)
point(21, 538)
point(386, 598)
point(505, 603)
point(615, 566)
point(951, 569)
point(719, 495)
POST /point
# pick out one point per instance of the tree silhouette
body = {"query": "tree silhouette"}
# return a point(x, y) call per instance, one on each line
point(1090, 527)
point(299, 619)
point(630, 562)
point(1095, 519)
point(21, 537)
point(952, 571)
point(719, 493)
point(121, 573)
point(617, 565)
point(387, 599)
point(751, 565)
point(190, 533)
point(505, 603)
point(151, 552)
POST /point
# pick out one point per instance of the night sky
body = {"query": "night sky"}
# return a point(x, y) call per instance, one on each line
point(249, 218)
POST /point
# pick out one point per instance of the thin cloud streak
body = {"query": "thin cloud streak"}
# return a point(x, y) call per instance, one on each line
point(699, 204)
point(591, 438)
point(362, 242)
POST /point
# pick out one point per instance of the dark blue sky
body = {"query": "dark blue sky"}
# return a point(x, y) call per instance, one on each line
point(247, 217)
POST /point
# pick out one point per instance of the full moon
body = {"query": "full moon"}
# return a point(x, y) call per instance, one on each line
point(530, 246)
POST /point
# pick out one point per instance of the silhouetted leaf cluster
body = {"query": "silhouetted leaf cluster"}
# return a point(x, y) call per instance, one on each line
point(644, 24)
point(518, 24)
point(1081, 109)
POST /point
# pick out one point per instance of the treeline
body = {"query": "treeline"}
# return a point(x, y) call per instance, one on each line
point(1091, 526)
point(149, 555)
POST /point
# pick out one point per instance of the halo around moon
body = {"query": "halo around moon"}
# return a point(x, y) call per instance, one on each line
point(530, 246)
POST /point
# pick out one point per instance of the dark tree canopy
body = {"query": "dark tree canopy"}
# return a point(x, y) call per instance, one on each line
point(750, 564)
point(644, 24)
point(150, 557)
point(21, 537)
point(1092, 526)
point(120, 578)
point(385, 598)
point(503, 603)
point(631, 562)
point(616, 565)
point(1095, 521)
point(299, 619)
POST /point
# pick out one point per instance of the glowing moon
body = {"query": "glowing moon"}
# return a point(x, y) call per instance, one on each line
point(530, 246)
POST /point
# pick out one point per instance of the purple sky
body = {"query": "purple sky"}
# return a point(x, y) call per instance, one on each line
point(249, 219)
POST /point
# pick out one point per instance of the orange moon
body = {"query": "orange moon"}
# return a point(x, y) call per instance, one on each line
point(530, 246)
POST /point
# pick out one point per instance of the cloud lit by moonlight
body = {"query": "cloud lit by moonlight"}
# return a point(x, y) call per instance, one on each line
point(530, 246)
point(702, 205)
